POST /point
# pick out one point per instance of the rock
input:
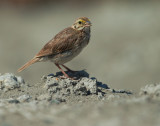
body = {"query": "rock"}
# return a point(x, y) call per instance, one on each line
point(90, 84)
point(61, 88)
point(82, 86)
point(100, 95)
point(13, 101)
point(24, 98)
point(4, 102)
point(57, 101)
point(44, 97)
point(8, 81)
point(152, 90)
point(50, 81)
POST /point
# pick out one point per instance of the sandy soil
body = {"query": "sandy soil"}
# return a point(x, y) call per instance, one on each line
point(84, 101)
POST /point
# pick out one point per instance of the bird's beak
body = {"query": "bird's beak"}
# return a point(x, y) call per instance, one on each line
point(88, 24)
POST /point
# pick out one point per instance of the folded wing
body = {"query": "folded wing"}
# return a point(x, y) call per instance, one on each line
point(63, 41)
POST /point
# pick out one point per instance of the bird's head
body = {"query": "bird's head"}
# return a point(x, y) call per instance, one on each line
point(81, 23)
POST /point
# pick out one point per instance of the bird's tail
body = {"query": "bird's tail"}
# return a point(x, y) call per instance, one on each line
point(34, 60)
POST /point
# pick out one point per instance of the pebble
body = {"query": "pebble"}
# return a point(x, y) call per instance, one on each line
point(24, 98)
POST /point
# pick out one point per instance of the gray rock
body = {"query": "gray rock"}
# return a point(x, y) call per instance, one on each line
point(24, 98)
point(4, 102)
point(83, 86)
point(50, 81)
point(13, 101)
point(44, 97)
point(90, 84)
point(151, 90)
point(9, 81)
point(100, 95)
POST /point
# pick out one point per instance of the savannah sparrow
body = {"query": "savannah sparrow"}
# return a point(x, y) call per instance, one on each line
point(65, 45)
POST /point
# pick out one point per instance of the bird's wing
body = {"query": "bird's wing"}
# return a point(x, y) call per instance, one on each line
point(63, 41)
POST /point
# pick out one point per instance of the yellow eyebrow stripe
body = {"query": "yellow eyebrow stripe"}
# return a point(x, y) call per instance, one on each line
point(82, 20)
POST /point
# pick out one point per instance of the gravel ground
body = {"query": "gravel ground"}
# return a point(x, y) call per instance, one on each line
point(83, 101)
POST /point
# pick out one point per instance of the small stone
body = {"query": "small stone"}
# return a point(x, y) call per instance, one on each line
point(57, 101)
point(24, 98)
point(44, 97)
point(20, 80)
point(100, 95)
point(13, 101)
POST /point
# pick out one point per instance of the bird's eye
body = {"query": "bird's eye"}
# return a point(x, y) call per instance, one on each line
point(80, 22)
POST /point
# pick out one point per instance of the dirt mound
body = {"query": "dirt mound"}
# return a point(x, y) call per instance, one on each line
point(83, 101)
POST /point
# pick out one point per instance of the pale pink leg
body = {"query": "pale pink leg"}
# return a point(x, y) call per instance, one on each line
point(68, 68)
point(62, 70)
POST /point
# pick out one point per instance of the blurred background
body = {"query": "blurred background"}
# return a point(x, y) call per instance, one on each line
point(124, 51)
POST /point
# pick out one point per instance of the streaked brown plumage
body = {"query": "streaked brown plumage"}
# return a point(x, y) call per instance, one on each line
point(65, 45)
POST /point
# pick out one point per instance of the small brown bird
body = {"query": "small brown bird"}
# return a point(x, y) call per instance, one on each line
point(66, 45)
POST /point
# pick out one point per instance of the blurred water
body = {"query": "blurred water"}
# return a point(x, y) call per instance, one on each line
point(123, 51)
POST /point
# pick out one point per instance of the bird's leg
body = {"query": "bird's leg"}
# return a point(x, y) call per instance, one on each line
point(62, 70)
point(68, 68)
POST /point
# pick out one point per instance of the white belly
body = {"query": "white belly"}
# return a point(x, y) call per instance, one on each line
point(66, 56)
